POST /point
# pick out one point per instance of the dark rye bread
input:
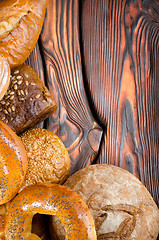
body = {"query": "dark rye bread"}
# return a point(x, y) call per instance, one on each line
point(121, 206)
point(27, 101)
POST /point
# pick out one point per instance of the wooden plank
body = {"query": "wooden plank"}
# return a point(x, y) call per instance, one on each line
point(73, 121)
point(121, 53)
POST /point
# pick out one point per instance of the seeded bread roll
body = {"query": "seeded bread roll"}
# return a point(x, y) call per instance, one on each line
point(20, 26)
point(121, 206)
point(48, 159)
point(27, 101)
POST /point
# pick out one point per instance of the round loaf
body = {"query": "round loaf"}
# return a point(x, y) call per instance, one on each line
point(4, 76)
point(49, 199)
point(13, 163)
point(20, 26)
point(48, 159)
point(121, 206)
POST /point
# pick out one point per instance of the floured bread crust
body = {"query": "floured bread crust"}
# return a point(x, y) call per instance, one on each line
point(121, 206)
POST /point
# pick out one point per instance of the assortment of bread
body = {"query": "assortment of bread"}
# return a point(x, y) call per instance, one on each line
point(97, 202)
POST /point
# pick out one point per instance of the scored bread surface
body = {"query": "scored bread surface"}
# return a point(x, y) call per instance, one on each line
point(121, 206)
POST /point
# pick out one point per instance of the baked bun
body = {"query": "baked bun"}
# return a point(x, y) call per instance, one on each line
point(27, 101)
point(20, 26)
point(48, 159)
point(121, 206)
point(4, 76)
point(13, 163)
point(49, 199)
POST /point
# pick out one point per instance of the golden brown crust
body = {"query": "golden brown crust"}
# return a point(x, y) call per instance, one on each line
point(49, 199)
point(48, 159)
point(121, 206)
point(13, 163)
point(4, 76)
point(20, 26)
point(27, 101)
point(2, 221)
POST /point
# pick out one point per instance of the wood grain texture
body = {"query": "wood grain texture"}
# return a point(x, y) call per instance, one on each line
point(121, 57)
point(73, 121)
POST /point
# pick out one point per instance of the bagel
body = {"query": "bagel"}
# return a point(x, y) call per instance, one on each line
point(20, 26)
point(4, 76)
point(49, 199)
point(13, 163)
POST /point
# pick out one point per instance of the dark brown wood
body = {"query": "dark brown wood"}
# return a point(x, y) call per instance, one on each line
point(116, 82)
point(73, 121)
point(121, 57)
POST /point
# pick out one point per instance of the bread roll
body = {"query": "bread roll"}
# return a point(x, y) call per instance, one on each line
point(13, 163)
point(48, 159)
point(20, 26)
point(4, 76)
point(49, 199)
point(27, 101)
point(121, 206)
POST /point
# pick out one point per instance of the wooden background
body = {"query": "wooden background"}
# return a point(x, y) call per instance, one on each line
point(100, 61)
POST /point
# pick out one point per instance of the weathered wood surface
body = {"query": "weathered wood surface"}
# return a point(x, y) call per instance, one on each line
point(115, 82)
point(73, 122)
point(121, 54)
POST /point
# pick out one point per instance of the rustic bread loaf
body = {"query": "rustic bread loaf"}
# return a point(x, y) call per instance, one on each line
point(27, 101)
point(121, 206)
point(20, 26)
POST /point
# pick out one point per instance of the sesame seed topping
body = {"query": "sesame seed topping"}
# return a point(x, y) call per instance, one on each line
point(18, 92)
point(15, 86)
point(31, 99)
point(3, 118)
point(12, 93)
point(33, 84)
point(37, 96)
point(19, 82)
point(26, 92)
point(9, 110)
point(6, 120)
point(15, 81)
point(16, 72)
point(27, 83)
point(7, 103)
point(19, 77)
point(26, 75)
point(12, 97)
point(21, 99)
point(5, 111)
point(13, 108)
point(43, 101)
point(3, 102)
point(22, 92)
